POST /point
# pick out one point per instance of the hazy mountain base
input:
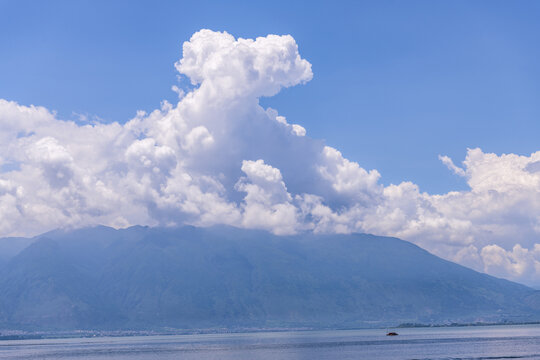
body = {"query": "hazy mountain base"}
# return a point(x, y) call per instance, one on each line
point(227, 278)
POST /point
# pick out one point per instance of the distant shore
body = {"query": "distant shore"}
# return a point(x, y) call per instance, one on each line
point(10, 335)
point(420, 325)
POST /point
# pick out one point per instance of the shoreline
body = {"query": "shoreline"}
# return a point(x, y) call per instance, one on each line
point(14, 335)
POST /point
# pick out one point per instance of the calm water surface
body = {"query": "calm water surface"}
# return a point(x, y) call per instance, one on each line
point(490, 342)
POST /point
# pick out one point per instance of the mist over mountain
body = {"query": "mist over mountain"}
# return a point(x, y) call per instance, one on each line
point(224, 277)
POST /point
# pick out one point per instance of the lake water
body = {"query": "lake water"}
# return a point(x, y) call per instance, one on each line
point(489, 342)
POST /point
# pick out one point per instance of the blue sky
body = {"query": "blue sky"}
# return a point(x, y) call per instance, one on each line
point(396, 83)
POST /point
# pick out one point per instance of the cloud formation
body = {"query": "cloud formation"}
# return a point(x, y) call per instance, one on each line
point(218, 157)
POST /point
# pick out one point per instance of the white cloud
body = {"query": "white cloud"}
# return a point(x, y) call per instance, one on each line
point(233, 68)
point(267, 203)
point(347, 178)
point(218, 157)
point(519, 262)
point(198, 137)
point(450, 165)
point(54, 160)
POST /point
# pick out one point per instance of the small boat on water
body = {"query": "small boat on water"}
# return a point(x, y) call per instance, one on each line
point(391, 333)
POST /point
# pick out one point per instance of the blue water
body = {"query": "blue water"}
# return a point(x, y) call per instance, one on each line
point(489, 342)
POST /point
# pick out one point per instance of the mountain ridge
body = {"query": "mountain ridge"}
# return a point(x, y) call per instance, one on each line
point(189, 277)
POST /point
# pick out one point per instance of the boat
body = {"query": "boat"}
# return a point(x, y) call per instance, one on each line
point(391, 333)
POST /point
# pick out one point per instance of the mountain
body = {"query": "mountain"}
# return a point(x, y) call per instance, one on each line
point(223, 277)
point(9, 247)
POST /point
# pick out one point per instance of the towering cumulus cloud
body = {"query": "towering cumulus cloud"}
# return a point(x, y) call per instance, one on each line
point(218, 157)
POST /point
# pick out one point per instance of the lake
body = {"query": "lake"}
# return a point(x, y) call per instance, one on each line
point(486, 342)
